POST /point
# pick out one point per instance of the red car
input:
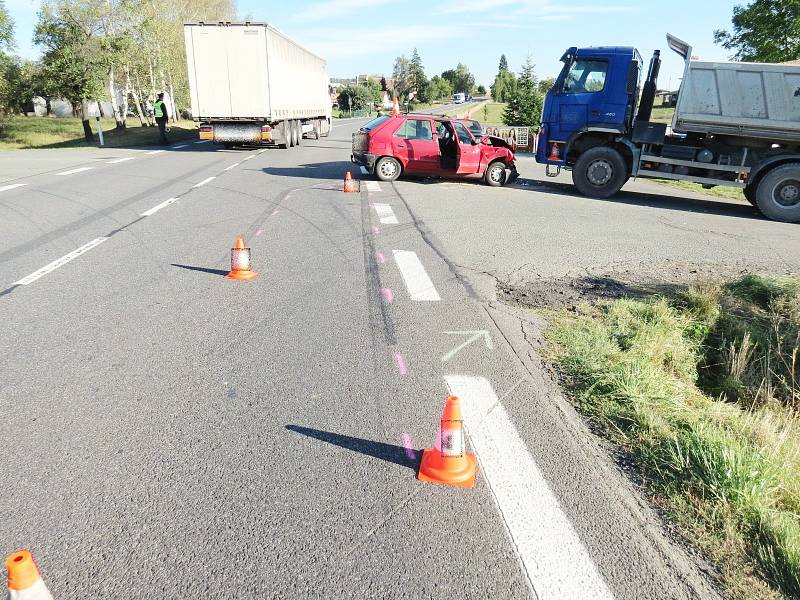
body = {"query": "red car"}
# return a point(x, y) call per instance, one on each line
point(429, 145)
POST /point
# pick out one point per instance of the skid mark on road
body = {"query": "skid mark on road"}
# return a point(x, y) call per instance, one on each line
point(419, 285)
point(555, 561)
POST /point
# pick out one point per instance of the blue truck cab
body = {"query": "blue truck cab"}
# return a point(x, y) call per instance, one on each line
point(595, 94)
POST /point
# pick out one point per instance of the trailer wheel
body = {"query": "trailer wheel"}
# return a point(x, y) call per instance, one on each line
point(317, 129)
point(286, 133)
point(600, 172)
point(298, 127)
point(778, 194)
point(387, 168)
point(750, 194)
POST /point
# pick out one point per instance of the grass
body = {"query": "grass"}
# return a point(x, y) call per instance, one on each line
point(662, 115)
point(19, 132)
point(719, 191)
point(702, 389)
point(491, 113)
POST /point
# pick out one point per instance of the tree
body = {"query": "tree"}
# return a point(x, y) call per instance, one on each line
point(482, 90)
point(546, 84)
point(356, 97)
point(6, 44)
point(764, 31)
point(525, 104)
point(417, 79)
point(19, 87)
point(503, 66)
point(460, 78)
point(504, 86)
point(439, 88)
point(400, 76)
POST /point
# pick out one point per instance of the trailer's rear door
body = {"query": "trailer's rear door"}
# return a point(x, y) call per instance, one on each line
point(208, 70)
point(248, 74)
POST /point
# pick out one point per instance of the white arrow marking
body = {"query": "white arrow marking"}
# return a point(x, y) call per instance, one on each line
point(474, 336)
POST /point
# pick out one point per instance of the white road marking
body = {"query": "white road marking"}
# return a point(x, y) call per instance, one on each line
point(233, 166)
point(373, 186)
point(248, 157)
point(385, 214)
point(70, 172)
point(364, 170)
point(155, 151)
point(12, 186)
point(202, 141)
point(158, 207)
point(119, 160)
point(179, 147)
point(263, 150)
point(419, 285)
point(556, 562)
point(205, 181)
point(60, 262)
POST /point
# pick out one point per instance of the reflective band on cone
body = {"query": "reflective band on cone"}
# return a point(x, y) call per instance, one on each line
point(554, 152)
point(349, 183)
point(240, 262)
point(450, 464)
point(24, 581)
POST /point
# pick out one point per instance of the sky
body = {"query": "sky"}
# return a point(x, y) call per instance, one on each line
point(365, 36)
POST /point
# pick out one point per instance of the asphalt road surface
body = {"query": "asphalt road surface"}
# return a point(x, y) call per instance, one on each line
point(170, 433)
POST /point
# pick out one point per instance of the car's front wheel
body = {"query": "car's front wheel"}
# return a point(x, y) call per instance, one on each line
point(495, 175)
point(387, 168)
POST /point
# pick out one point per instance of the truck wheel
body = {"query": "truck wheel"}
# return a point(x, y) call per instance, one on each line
point(778, 194)
point(750, 194)
point(600, 172)
point(495, 175)
point(387, 168)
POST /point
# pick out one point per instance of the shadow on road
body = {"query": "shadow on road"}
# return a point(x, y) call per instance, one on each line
point(388, 452)
point(693, 205)
point(201, 269)
point(323, 170)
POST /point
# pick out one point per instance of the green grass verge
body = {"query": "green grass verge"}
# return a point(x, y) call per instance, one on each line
point(491, 113)
point(662, 115)
point(702, 389)
point(719, 191)
point(19, 132)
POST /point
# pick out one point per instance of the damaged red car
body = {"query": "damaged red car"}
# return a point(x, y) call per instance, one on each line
point(426, 145)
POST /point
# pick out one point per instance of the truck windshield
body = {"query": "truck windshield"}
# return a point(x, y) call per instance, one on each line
point(374, 123)
point(586, 76)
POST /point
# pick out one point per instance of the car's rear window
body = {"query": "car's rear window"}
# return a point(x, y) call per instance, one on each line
point(374, 123)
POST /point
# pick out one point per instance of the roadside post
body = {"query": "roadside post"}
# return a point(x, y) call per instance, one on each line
point(100, 131)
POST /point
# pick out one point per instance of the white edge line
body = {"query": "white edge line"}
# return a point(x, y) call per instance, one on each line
point(60, 262)
point(205, 181)
point(234, 165)
point(248, 157)
point(263, 150)
point(419, 285)
point(155, 151)
point(158, 207)
point(12, 186)
point(179, 147)
point(70, 172)
point(119, 160)
point(555, 560)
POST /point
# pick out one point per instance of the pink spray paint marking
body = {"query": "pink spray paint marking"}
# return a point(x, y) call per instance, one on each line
point(274, 212)
point(401, 363)
point(376, 230)
point(387, 295)
point(259, 232)
point(381, 257)
point(411, 454)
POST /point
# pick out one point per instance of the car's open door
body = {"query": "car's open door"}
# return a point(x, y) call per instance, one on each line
point(469, 151)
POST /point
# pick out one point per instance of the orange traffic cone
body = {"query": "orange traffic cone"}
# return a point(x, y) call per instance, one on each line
point(240, 262)
point(395, 108)
point(449, 464)
point(555, 154)
point(24, 581)
point(349, 183)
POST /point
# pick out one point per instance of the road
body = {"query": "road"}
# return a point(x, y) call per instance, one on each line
point(171, 433)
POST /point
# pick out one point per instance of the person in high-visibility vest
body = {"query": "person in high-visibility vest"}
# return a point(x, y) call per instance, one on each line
point(161, 115)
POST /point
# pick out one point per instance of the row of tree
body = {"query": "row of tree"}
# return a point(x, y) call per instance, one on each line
point(94, 49)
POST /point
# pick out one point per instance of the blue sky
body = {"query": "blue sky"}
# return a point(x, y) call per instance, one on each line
point(364, 36)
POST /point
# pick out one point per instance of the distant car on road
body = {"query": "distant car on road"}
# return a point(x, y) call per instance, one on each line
point(430, 145)
point(459, 98)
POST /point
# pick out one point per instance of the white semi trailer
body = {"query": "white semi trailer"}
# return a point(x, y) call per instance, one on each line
point(251, 84)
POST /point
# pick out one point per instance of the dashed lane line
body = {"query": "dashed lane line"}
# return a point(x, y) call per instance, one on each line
point(419, 285)
point(233, 166)
point(12, 186)
point(555, 560)
point(373, 186)
point(205, 181)
point(158, 207)
point(72, 171)
point(385, 214)
point(248, 157)
point(119, 160)
point(60, 262)
point(155, 151)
